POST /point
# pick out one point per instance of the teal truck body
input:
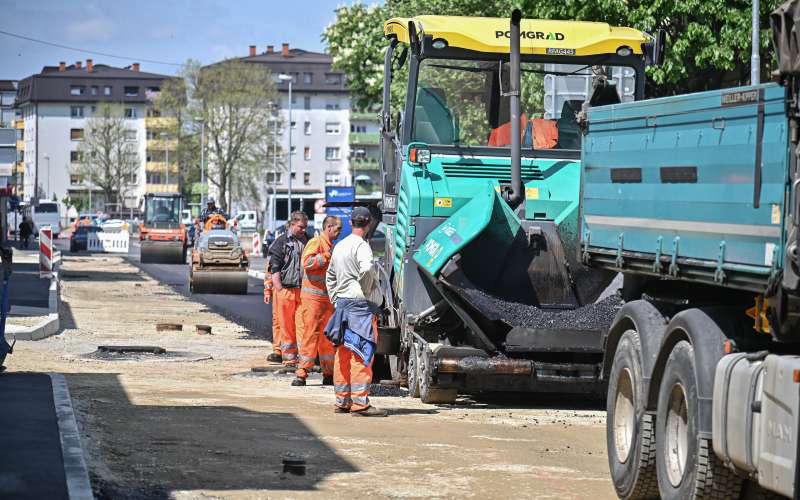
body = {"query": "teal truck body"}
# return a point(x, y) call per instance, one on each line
point(692, 198)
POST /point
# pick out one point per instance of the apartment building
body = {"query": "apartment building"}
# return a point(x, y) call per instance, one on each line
point(8, 94)
point(55, 105)
point(364, 143)
point(320, 124)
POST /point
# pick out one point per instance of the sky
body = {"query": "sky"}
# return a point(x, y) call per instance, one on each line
point(166, 30)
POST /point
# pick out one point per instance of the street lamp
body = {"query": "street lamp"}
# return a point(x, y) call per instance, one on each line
point(202, 162)
point(163, 136)
point(287, 78)
point(47, 157)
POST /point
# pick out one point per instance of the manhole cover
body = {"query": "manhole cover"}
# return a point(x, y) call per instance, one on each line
point(126, 349)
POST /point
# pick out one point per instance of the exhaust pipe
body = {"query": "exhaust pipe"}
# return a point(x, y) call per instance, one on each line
point(514, 197)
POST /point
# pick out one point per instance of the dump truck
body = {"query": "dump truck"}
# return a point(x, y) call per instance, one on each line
point(484, 288)
point(219, 263)
point(694, 198)
point(162, 235)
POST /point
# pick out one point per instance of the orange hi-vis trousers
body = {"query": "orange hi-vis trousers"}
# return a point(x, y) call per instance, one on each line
point(315, 313)
point(290, 323)
point(351, 377)
point(276, 325)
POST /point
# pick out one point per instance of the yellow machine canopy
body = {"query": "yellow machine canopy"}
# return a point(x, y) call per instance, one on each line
point(491, 34)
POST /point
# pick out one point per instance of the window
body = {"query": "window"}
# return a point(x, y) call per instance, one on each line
point(94, 109)
point(76, 111)
point(75, 157)
point(307, 153)
point(294, 125)
point(333, 78)
point(76, 134)
point(134, 179)
point(94, 89)
point(307, 178)
point(273, 177)
point(307, 102)
point(294, 176)
point(294, 150)
point(307, 128)
point(153, 178)
point(107, 90)
point(333, 128)
point(358, 129)
point(332, 179)
point(76, 90)
point(130, 135)
point(151, 135)
point(75, 179)
point(331, 105)
point(152, 113)
point(332, 154)
point(130, 112)
point(131, 91)
point(151, 93)
point(308, 78)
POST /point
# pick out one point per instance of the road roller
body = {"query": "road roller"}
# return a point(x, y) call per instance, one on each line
point(219, 263)
point(162, 236)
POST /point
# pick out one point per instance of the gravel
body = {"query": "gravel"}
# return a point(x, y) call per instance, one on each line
point(595, 316)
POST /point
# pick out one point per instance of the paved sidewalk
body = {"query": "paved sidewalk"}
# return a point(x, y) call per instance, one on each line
point(35, 420)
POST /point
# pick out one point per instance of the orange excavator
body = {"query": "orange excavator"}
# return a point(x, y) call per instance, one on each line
point(219, 263)
point(162, 236)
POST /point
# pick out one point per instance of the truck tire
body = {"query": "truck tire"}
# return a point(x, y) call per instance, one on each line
point(630, 432)
point(413, 370)
point(428, 393)
point(686, 464)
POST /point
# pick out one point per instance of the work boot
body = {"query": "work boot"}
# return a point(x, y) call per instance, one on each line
point(370, 411)
point(327, 380)
point(339, 409)
point(274, 357)
point(299, 382)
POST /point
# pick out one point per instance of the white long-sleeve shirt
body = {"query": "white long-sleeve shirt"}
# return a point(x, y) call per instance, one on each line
point(351, 273)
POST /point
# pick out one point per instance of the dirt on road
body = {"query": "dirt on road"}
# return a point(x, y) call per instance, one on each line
point(198, 423)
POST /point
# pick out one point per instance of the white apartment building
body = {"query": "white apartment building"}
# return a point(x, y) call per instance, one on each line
point(55, 106)
point(319, 129)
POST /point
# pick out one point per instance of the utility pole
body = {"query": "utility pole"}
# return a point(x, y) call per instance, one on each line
point(755, 59)
point(202, 163)
point(288, 78)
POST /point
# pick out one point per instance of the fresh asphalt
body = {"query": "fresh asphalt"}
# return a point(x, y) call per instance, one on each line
point(247, 310)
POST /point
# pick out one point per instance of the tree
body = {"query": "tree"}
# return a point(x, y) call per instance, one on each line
point(708, 41)
point(233, 100)
point(108, 159)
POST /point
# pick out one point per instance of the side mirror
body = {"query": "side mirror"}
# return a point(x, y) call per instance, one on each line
point(654, 50)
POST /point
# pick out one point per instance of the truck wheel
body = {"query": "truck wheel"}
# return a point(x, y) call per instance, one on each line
point(427, 392)
point(630, 433)
point(413, 370)
point(686, 464)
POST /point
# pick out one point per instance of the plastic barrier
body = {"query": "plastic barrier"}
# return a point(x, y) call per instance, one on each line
point(46, 252)
point(117, 242)
point(256, 245)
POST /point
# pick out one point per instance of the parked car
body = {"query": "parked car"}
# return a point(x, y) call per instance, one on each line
point(115, 225)
point(80, 237)
point(247, 221)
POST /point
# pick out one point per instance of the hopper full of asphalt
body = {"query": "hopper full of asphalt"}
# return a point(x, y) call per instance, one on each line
point(592, 317)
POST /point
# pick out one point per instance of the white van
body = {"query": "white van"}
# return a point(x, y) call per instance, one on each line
point(46, 214)
point(247, 221)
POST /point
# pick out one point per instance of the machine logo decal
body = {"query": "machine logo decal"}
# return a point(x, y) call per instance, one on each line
point(741, 97)
point(531, 35)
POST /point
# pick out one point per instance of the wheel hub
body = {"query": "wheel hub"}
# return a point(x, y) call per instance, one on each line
point(677, 435)
point(624, 416)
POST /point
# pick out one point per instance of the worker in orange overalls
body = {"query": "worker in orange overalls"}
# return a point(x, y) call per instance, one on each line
point(287, 273)
point(269, 297)
point(315, 308)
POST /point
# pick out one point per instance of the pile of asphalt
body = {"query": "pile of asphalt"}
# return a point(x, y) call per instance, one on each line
point(597, 316)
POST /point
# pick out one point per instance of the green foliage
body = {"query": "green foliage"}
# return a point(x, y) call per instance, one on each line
point(708, 41)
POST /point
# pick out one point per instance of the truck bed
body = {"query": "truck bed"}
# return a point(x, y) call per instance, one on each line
point(689, 187)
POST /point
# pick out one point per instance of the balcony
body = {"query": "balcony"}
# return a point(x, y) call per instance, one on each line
point(162, 144)
point(161, 188)
point(364, 164)
point(364, 116)
point(160, 122)
point(364, 138)
point(20, 145)
point(19, 124)
point(19, 168)
point(160, 166)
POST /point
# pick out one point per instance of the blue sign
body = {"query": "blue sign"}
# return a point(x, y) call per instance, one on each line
point(340, 193)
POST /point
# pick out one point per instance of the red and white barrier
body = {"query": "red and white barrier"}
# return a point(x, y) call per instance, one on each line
point(46, 252)
point(256, 245)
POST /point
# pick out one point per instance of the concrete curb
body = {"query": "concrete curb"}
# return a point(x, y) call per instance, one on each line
point(49, 326)
point(256, 274)
point(78, 485)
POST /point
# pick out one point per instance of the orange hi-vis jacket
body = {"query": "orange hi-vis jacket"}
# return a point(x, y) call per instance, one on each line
point(316, 257)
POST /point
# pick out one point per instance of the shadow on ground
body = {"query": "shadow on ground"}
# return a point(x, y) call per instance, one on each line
point(153, 451)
